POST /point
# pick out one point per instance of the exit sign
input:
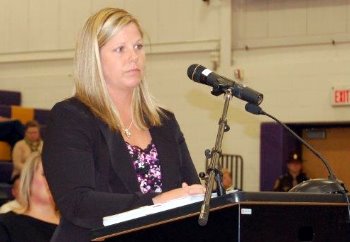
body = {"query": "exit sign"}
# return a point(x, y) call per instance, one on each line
point(340, 96)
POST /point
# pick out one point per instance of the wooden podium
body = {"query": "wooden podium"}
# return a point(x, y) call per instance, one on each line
point(243, 217)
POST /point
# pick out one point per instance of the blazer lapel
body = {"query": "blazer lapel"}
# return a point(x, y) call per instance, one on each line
point(168, 157)
point(120, 158)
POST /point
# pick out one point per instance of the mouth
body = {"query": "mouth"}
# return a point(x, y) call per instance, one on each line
point(134, 70)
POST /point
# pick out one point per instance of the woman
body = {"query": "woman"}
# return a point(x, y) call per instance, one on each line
point(37, 218)
point(32, 142)
point(110, 148)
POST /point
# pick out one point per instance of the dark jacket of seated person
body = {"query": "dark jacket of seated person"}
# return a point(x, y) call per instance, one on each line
point(37, 218)
point(293, 176)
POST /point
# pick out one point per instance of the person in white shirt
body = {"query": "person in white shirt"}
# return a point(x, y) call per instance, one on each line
point(32, 142)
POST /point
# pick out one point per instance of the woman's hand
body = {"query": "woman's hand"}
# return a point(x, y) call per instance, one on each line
point(184, 191)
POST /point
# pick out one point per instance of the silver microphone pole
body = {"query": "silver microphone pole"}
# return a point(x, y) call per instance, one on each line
point(214, 168)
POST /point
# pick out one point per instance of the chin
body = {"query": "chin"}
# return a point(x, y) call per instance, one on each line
point(132, 83)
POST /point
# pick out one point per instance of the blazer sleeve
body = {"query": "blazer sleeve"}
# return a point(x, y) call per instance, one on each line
point(188, 171)
point(4, 236)
point(69, 166)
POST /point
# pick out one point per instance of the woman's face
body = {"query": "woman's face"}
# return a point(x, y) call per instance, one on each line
point(33, 134)
point(40, 192)
point(123, 59)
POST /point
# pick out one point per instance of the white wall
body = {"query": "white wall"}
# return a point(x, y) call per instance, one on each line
point(290, 60)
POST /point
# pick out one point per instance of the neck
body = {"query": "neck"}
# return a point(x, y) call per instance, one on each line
point(33, 145)
point(44, 212)
point(123, 102)
point(32, 141)
point(294, 174)
point(121, 99)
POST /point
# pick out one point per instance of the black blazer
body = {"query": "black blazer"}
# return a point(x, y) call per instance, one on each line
point(19, 227)
point(90, 172)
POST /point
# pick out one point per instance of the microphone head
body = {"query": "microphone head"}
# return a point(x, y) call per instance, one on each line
point(253, 108)
point(194, 72)
point(220, 84)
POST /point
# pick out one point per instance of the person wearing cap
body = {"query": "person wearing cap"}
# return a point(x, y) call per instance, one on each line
point(293, 176)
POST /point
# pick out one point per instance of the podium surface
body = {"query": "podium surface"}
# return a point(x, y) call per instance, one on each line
point(243, 217)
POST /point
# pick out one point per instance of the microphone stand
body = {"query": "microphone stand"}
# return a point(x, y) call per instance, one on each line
point(214, 169)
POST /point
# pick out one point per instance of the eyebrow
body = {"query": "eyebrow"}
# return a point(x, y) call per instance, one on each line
point(121, 43)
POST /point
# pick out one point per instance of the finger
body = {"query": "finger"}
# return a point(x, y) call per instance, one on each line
point(197, 189)
point(184, 184)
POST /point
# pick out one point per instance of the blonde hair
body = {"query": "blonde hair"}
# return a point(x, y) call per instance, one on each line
point(90, 86)
point(27, 174)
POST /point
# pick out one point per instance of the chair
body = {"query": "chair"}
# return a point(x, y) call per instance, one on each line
point(10, 97)
point(233, 163)
point(5, 180)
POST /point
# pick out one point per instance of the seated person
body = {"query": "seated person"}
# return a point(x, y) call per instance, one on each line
point(32, 142)
point(38, 217)
point(227, 180)
point(293, 176)
point(13, 204)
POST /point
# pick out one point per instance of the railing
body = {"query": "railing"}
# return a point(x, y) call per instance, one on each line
point(233, 163)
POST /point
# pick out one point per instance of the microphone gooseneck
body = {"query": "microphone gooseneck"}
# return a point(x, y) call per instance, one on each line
point(254, 109)
point(332, 185)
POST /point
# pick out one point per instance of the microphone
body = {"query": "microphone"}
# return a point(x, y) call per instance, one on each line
point(220, 84)
point(330, 185)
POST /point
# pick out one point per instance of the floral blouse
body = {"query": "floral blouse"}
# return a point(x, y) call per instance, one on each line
point(147, 167)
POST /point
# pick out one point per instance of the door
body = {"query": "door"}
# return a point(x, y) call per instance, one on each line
point(335, 147)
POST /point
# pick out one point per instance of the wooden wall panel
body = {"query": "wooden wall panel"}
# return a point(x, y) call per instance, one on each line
point(18, 26)
point(271, 23)
point(206, 21)
point(293, 15)
point(4, 28)
point(175, 21)
point(43, 25)
point(325, 18)
point(72, 15)
point(148, 19)
point(98, 4)
point(336, 149)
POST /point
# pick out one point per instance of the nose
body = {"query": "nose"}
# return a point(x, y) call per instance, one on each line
point(133, 55)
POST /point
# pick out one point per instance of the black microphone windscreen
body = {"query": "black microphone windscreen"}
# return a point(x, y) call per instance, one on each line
point(194, 72)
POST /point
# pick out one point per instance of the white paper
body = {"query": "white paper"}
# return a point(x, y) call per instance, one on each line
point(147, 210)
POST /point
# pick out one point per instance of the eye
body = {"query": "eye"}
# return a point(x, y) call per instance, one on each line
point(119, 49)
point(139, 46)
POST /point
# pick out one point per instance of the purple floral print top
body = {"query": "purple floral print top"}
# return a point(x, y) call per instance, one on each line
point(147, 167)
